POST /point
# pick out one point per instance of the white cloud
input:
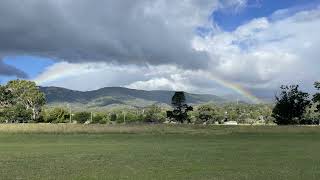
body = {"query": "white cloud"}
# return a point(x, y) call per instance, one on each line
point(233, 6)
point(265, 53)
point(158, 84)
point(88, 76)
point(97, 75)
point(261, 54)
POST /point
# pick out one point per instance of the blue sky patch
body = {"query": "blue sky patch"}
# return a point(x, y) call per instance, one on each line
point(29, 64)
point(229, 20)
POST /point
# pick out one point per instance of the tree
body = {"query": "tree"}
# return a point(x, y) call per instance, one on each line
point(178, 99)
point(311, 116)
point(27, 94)
point(56, 115)
point(316, 97)
point(99, 119)
point(290, 105)
point(206, 113)
point(82, 117)
point(154, 114)
point(180, 112)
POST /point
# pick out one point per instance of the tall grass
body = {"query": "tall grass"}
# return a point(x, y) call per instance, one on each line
point(152, 129)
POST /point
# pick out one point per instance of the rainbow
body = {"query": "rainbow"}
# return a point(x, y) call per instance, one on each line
point(235, 87)
point(58, 71)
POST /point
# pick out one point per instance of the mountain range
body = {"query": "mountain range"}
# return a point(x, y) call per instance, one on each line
point(119, 96)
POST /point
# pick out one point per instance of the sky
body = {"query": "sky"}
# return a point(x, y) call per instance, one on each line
point(240, 48)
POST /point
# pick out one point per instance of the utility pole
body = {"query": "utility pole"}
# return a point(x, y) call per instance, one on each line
point(91, 116)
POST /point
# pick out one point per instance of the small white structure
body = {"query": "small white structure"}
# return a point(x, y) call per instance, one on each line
point(230, 123)
point(166, 122)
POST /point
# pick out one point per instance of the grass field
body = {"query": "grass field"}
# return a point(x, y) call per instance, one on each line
point(44, 151)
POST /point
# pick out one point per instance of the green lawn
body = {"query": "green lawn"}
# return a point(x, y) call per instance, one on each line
point(240, 153)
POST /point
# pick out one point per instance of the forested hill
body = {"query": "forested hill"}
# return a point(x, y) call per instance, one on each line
point(119, 95)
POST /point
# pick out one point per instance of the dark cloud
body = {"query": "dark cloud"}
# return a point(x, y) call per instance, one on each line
point(126, 32)
point(11, 71)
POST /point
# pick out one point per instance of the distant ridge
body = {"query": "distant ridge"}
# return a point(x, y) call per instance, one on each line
point(121, 96)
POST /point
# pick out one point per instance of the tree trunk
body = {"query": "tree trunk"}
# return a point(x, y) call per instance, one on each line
point(34, 114)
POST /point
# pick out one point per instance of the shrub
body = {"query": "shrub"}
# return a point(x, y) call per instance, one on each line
point(113, 117)
point(206, 113)
point(99, 119)
point(55, 115)
point(82, 117)
point(120, 118)
point(154, 114)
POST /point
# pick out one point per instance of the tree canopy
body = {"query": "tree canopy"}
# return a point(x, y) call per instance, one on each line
point(290, 105)
point(21, 99)
point(206, 113)
point(180, 112)
point(178, 99)
point(316, 96)
point(28, 94)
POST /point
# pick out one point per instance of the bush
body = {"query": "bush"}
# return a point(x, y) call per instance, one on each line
point(82, 117)
point(2, 118)
point(154, 114)
point(309, 122)
point(113, 117)
point(120, 118)
point(55, 115)
point(99, 119)
point(206, 113)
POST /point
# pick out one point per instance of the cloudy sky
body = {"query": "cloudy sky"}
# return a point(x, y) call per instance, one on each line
point(224, 47)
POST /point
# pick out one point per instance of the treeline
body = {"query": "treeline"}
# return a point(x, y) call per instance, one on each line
point(179, 113)
point(292, 107)
point(201, 114)
point(22, 101)
point(151, 114)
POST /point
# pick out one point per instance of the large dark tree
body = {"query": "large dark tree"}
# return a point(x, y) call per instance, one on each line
point(290, 105)
point(178, 99)
point(180, 112)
